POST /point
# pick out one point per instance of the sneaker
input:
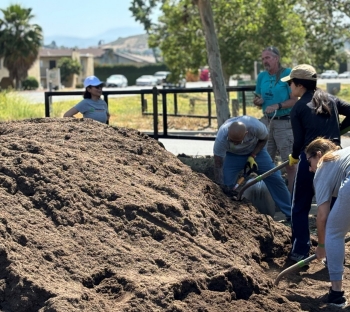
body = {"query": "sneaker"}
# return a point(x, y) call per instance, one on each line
point(336, 298)
point(296, 257)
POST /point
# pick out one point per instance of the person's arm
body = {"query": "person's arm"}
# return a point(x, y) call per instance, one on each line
point(71, 112)
point(344, 109)
point(285, 104)
point(259, 146)
point(218, 174)
point(322, 215)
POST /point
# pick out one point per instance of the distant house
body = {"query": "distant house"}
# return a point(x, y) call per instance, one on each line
point(107, 56)
point(49, 59)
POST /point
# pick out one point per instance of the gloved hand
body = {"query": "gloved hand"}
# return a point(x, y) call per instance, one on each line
point(292, 161)
point(251, 163)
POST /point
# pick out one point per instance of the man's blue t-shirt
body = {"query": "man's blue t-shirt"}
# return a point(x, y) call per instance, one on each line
point(273, 92)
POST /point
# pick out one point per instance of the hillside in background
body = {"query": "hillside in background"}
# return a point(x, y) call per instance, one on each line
point(134, 44)
point(103, 38)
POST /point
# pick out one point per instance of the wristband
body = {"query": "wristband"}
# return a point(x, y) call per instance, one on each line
point(279, 105)
point(320, 245)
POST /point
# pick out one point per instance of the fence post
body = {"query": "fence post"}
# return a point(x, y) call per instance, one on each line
point(144, 106)
point(155, 113)
point(209, 109)
point(47, 105)
point(192, 104)
point(175, 104)
point(105, 97)
point(235, 107)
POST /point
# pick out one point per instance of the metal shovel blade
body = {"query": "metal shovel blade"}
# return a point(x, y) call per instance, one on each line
point(299, 265)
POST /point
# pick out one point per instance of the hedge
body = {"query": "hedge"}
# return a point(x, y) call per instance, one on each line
point(131, 72)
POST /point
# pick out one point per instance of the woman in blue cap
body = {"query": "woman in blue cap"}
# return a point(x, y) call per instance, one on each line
point(92, 106)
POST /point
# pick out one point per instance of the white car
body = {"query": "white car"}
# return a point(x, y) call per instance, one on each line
point(116, 81)
point(329, 74)
point(344, 75)
point(161, 75)
point(146, 80)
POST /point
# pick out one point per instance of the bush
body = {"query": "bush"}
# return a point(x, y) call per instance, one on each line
point(30, 83)
point(79, 85)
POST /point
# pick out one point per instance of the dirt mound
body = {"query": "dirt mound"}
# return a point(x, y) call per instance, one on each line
point(96, 218)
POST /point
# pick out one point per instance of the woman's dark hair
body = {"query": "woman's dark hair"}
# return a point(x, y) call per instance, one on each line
point(87, 94)
point(320, 99)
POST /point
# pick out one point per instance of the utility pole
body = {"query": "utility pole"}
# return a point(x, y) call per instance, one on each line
point(213, 51)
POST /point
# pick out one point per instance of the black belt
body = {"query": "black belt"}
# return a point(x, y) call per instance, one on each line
point(286, 117)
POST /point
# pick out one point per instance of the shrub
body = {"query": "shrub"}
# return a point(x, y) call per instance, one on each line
point(30, 83)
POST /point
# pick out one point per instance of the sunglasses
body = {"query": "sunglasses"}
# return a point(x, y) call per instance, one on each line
point(308, 159)
point(274, 50)
point(97, 87)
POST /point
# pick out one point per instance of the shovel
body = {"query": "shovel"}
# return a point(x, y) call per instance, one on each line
point(299, 265)
point(259, 178)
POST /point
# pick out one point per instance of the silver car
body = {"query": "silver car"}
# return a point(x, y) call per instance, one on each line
point(344, 75)
point(119, 81)
point(329, 74)
point(146, 80)
point(161, 75)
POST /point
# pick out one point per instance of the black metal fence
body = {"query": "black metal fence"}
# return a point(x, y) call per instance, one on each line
point(155, 92)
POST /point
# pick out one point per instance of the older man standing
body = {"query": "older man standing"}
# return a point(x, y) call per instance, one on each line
point(241, 141)
point(276, 101)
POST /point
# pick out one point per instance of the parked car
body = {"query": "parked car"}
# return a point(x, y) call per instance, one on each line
point(146, 80)
point(329, 74)
point(161, 75)
point(167, 83)
point(344, 75)
point(116, 81)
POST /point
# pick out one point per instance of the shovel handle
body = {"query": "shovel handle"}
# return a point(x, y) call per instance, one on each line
point(261, 177)
point(299, 265)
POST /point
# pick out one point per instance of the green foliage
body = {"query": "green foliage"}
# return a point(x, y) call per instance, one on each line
point(19, 41)
point(68, 67)
point(304, 31)
point(131, 72)
point(327, 24)
point(15, 107)
point(30, 83)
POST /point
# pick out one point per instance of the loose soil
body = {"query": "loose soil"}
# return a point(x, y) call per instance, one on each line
point(99, 218)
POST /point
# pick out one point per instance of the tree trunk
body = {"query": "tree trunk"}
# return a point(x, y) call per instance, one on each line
point(213, 51)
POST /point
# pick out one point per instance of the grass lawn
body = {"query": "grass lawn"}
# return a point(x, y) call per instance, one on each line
point(126, 111)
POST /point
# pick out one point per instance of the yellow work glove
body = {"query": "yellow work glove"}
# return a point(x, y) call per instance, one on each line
point(251, 163)
point(292, 161)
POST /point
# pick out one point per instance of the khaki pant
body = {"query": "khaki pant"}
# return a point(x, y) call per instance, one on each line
point(280, 137)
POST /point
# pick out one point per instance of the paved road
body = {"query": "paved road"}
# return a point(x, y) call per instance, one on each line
point(38, 96)
point(204, 148)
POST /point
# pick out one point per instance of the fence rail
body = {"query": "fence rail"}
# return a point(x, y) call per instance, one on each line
point(155, 92)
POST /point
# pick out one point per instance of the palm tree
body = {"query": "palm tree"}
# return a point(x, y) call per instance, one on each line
point(20, 41)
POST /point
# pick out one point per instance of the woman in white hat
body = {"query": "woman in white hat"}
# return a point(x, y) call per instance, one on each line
point(92, 106)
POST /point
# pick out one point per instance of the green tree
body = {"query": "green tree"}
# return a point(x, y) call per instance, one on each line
point(328, 25)
point(243, 29)
point(68, 67)
point(20, 41)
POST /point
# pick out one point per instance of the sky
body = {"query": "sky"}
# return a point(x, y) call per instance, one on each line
point(78, 18)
